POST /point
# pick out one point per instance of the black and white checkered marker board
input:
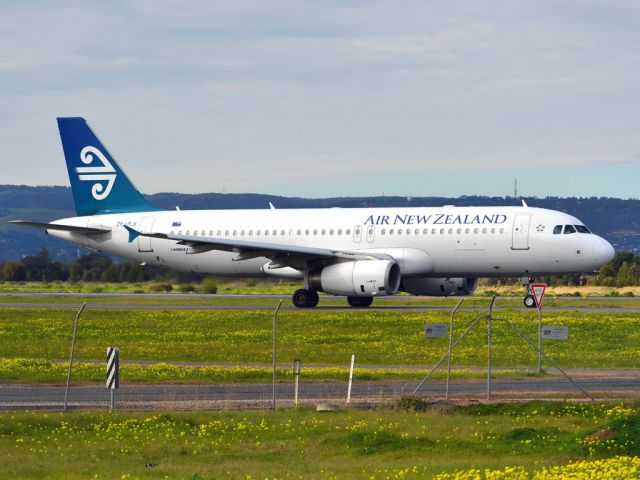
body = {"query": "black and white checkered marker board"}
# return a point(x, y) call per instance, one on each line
point(113, 365)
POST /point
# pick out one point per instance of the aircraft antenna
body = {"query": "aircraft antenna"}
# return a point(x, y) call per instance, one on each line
point(515, 188)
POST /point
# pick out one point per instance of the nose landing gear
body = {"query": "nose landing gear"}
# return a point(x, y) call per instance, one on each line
point(529, 300)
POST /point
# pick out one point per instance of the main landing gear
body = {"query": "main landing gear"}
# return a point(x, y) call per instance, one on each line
point(528, 300)
point(304, 298)
point(360, 302)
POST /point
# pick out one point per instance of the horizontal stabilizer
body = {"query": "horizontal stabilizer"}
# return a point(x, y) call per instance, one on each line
point(64, 228)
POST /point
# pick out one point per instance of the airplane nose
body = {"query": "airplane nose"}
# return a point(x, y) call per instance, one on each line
point(604, 251)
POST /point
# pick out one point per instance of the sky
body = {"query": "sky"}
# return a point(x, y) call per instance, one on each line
point(330, 98)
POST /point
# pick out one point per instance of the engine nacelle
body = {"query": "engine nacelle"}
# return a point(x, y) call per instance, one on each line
point(361, 278)
point(439, 287)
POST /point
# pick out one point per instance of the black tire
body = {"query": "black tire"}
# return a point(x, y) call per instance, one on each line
point(360, 302)
point(302, 298)
point(314, 298)
point(529, 301)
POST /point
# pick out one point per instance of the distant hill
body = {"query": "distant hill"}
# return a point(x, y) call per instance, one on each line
point(615, 219)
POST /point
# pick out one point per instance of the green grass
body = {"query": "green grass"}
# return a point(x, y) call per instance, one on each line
point(383, 443)
point(377, 338)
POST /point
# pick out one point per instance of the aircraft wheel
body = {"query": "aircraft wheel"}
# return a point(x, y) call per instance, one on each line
point(360, 302)
point(314, 298)
point(302, 298)
point(529, 301)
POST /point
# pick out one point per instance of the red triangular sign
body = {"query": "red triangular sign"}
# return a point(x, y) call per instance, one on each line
point(538, 289)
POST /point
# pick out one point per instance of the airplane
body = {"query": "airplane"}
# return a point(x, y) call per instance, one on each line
point(360, 253)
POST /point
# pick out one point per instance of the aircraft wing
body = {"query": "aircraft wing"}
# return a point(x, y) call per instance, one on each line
point(64, 228)
point(281, 255)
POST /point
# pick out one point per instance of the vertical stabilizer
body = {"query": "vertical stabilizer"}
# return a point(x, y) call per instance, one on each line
point(98, 183)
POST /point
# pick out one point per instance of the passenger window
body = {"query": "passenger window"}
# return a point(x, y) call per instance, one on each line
point(451, 231)
point(339, 231)
point(187, 234)
point(434, 231)
point(391, 231)
point(557, 230)
point(459, 231)
point(226, 233)
point(291, 233)
point(442, 231)
point(219, 234)
point(408, 231)
point(324, 231)
point(180, 232)
point(331, 232)
point(501, 230)
point(383, 231)
point(399, 231)
point(235, 233)
point(251, 233)
point(417, 231)
point(306, 232)
point(569, 229)
point(467, 231)
point(425, 231)
point(475, 231)
point(242, 233)
point(299, 232)
point(484, 231)
point(282, 233)
point(493, 231)
point(203, 233)
point(315, 232)
point(258, 233)
point(348, 232)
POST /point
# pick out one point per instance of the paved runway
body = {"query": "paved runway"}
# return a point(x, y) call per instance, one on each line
point(141, 396)
point(94, 302)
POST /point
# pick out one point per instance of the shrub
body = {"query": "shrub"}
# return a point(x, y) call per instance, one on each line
point(160, 287)
point(208, 285)
point(186, 288)
point(411, 403)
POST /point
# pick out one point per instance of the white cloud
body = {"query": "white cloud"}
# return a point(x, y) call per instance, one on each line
point(256, 95)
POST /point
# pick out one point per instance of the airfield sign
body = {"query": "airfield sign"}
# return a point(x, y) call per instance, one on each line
point(436, 330)
point(538, 289)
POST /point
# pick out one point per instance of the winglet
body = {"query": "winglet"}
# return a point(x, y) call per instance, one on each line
point(133, 233)
point(271, 206)
point(524, 204)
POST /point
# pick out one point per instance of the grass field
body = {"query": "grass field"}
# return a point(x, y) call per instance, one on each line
point(511, 441)
point(30, 338)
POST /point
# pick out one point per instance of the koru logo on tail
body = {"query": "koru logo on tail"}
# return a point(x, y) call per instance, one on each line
point(99, 174)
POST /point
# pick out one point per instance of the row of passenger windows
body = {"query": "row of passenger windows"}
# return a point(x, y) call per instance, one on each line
point(259, 233)
point(443, 231)
point(339, 231)
point(558, 229)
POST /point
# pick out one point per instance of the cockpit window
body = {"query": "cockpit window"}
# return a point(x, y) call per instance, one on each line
point(557, 230)
point(582, 229)
point(569, 229)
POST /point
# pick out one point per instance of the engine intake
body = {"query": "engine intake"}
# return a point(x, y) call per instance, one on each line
point(361, 278)
point(439, 287)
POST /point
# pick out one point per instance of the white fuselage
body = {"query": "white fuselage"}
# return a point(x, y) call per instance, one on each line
point(426, 242)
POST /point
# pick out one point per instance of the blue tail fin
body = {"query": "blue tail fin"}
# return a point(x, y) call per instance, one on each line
point(98, 183)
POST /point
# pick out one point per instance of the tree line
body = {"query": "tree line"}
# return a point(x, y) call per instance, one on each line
point(622, 271)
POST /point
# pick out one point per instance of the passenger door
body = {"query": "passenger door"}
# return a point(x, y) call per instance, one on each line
point(146, 226)
point(520, 233)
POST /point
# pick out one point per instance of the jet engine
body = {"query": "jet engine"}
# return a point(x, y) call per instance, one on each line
point(439, 287)
point(360, 278)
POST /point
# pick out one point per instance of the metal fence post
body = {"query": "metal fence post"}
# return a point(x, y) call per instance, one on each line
point(73, 347)
point(275, 316)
